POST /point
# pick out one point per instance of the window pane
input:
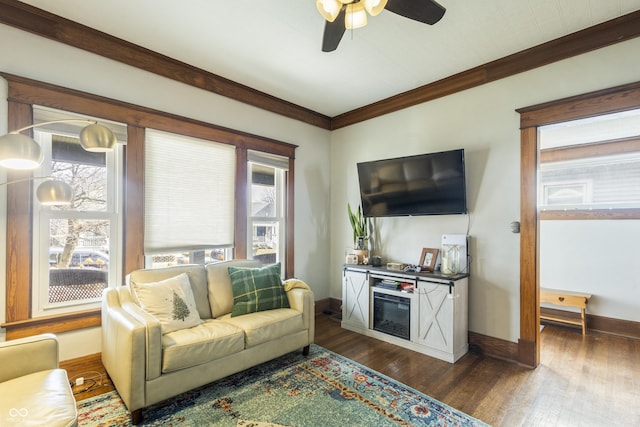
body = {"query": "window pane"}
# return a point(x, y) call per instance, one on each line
point(263, 191)
point(266, 223)
point(265, 238)
point(596, 183)
point(188, 257)
point(78, 259)
point(591, 163)
point(86, 172)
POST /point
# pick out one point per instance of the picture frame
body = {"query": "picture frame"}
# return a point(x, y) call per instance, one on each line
point(428, 259)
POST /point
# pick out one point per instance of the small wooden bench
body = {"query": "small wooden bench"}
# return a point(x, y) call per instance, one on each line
point(567, 299)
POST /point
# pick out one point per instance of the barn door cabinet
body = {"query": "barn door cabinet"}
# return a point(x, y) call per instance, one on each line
point(429, 315)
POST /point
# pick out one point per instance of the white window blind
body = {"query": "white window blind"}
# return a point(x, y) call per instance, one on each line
point(189, 193)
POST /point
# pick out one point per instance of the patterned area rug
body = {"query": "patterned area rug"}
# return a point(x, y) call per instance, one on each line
point(323, 389)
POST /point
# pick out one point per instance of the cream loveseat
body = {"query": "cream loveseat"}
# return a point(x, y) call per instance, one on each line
point(34, 391)
point(148, 366)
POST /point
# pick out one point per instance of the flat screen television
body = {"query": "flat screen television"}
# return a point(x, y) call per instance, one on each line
point(426, 184)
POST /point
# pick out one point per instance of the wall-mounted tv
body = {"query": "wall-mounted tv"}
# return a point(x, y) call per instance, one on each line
point(426, 184)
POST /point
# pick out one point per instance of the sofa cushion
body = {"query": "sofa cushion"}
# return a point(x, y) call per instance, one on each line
point(257, 289)
point(264, 326)
point(219, 284)
point(208, 341)
point(170, 301)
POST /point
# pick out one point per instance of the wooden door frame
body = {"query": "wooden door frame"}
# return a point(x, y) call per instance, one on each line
point(612, 100)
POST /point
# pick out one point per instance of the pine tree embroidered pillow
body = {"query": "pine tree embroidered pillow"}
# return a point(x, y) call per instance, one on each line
point(170, 301)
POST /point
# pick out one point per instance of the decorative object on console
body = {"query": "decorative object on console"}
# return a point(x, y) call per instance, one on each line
point(413, 267)
point(454, 254)
point(360, 226)
point(428, 259)
point(396, 266)
point(351, 259)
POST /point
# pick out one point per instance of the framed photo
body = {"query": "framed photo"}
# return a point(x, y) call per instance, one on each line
point(428, 259)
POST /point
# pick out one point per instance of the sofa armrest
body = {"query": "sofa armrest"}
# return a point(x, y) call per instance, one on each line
point(153, 338)
point(302, 300)
point(124, 349)
point(25, 356)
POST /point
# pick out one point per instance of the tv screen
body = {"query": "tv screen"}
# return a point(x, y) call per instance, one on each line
point(427, 184)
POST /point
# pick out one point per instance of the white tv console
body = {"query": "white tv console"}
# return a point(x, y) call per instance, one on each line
point(438, 313)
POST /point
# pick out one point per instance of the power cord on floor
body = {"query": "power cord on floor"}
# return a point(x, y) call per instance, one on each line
point(86, 379)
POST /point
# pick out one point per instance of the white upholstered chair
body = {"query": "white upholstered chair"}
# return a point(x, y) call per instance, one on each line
point(34, 391)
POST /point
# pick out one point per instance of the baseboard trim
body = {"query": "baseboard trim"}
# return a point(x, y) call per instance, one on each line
point(608, 325)
point(493, 347)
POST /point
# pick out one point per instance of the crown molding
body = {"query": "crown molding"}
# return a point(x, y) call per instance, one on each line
point(45, 24)
point(31, 19)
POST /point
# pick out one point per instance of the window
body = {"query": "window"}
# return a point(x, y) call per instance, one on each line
point(267, 213)
point(72, 244)
point(25, 240)
point(591, 164)
point(189, 200)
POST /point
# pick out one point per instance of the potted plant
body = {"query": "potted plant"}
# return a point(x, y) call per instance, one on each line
point(359, 225)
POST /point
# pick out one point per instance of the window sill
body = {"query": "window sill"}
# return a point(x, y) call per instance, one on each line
point(53, 324)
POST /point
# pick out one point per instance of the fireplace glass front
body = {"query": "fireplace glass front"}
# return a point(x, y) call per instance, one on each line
point(391, 314)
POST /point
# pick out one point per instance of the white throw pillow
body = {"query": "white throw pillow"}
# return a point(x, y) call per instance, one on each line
point(170, 301)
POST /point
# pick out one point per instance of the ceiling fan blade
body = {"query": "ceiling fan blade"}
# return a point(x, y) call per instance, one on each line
point(427, 11)
point(333, 32)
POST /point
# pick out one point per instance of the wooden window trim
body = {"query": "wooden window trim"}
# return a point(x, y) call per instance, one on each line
point(23, 93)
point(594, 149)
point(594, 214)
point(53, 324)
point(616, 99)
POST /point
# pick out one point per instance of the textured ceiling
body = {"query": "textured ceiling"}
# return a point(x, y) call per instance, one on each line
point(274, 46)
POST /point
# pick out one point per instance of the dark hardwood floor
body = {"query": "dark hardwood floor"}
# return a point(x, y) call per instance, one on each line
point(581, 381)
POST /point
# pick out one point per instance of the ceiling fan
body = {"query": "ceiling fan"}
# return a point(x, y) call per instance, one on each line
point(351, 14)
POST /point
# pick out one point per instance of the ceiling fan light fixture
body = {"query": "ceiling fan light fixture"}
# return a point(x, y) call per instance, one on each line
point(329, 9)
point(356, 16)
point(374, 7)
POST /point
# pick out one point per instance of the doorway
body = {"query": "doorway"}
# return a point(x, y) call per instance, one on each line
point(618, 99)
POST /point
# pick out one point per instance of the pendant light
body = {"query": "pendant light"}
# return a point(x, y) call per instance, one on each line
point(51, 192)
point(97, 138)
point(54, 193)
point(18, 151)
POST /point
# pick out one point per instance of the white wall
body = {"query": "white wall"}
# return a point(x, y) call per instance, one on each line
point(484, 122)
point(597, 257)
point(37, 58)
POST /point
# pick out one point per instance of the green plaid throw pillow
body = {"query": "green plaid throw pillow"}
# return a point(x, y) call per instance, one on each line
point(257, 289)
